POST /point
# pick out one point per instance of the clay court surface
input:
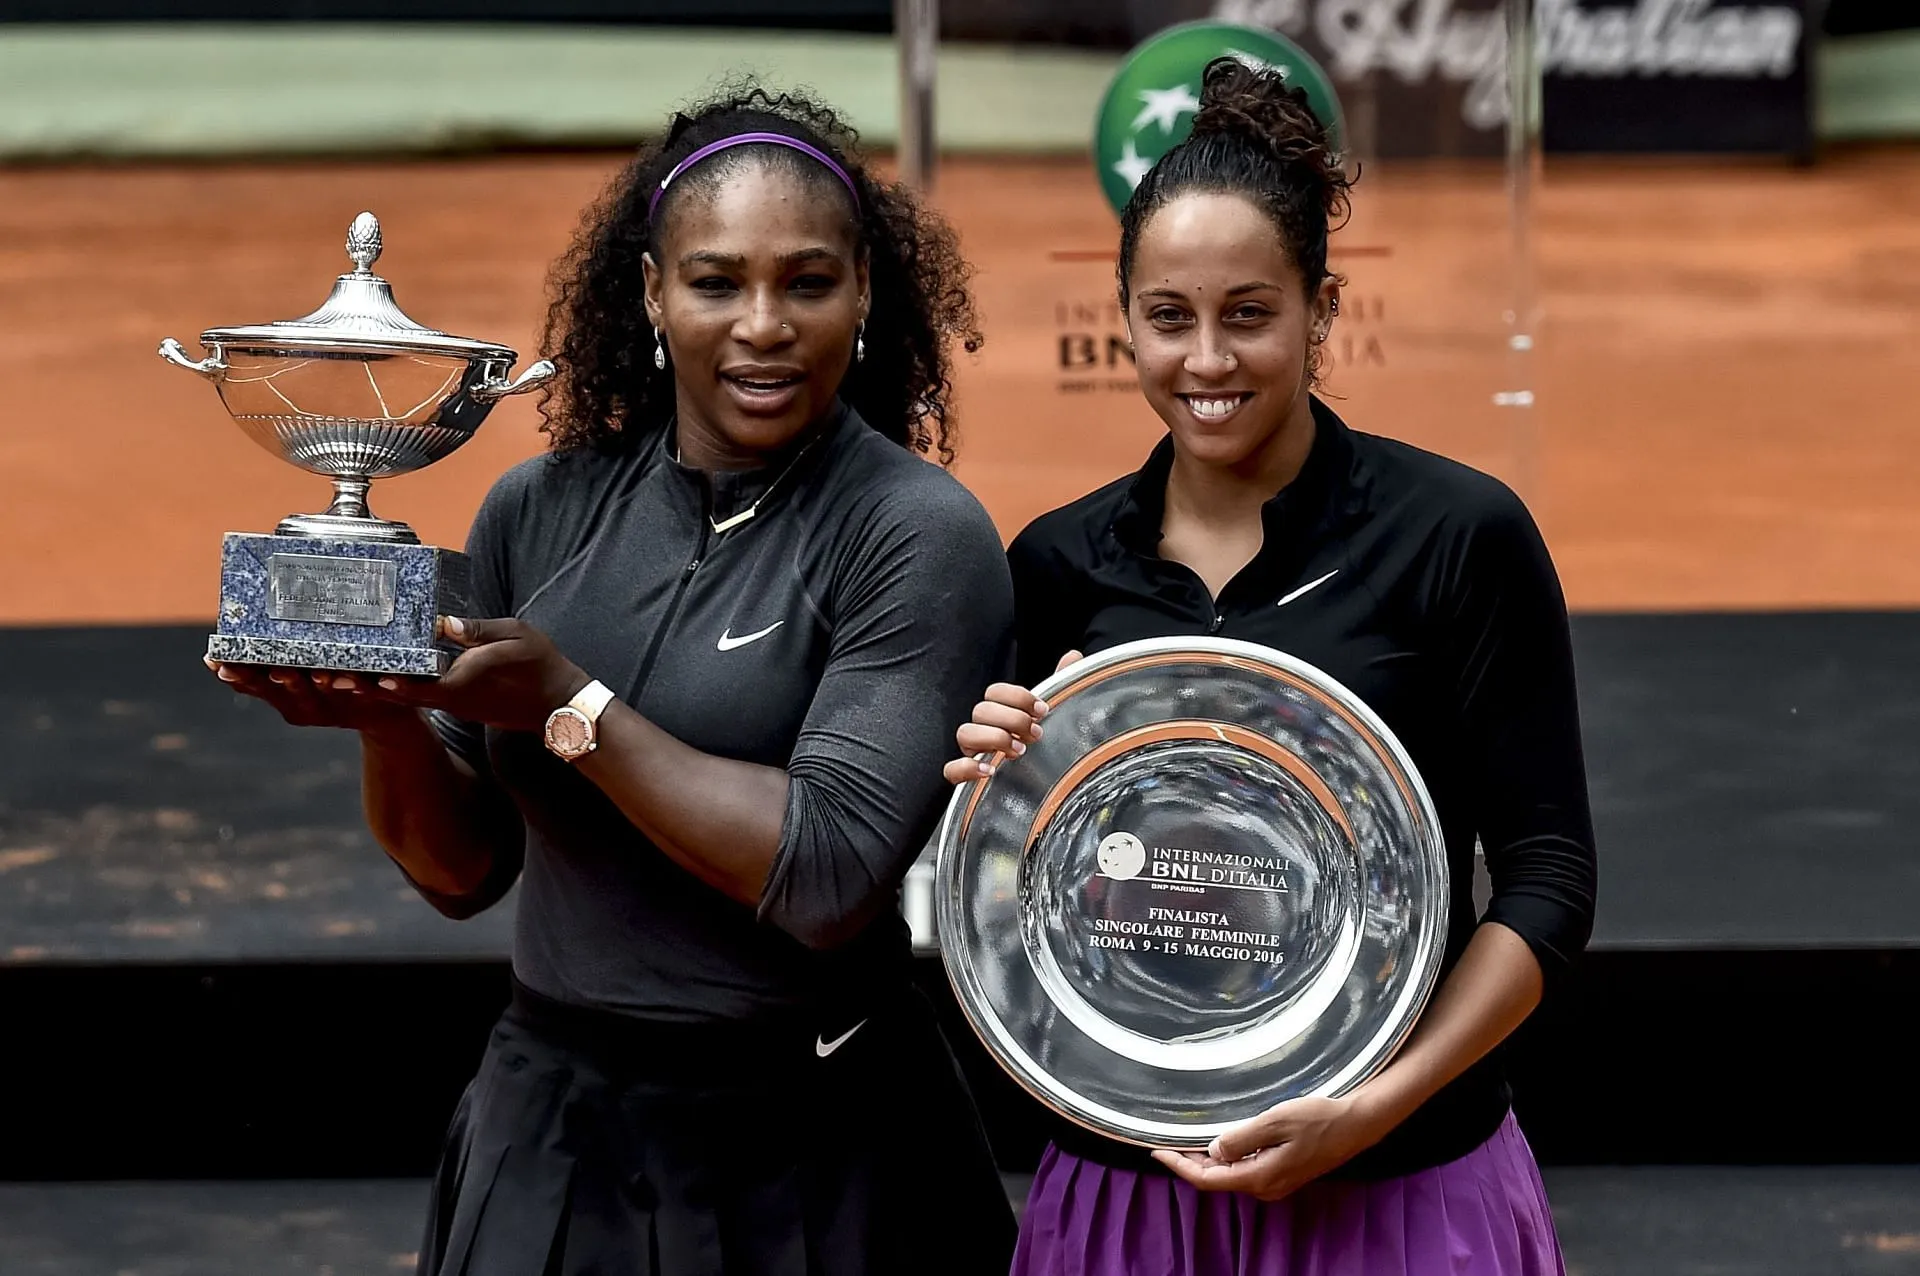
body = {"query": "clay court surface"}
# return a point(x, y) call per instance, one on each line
point(1725, 377)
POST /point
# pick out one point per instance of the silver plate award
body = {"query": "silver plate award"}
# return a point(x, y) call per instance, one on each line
point(1216, 882)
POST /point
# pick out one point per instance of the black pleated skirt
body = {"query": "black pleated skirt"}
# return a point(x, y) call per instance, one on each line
point(592, 1144)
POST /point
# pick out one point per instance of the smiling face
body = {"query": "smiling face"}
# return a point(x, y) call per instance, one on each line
point(758, 287)
point(1222, 324)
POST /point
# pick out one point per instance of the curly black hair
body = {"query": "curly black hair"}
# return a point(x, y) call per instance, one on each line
point(1256, 136)
point(609, 396)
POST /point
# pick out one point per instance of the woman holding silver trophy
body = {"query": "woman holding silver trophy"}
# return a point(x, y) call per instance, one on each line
point(1420, 585)
point(724, 632)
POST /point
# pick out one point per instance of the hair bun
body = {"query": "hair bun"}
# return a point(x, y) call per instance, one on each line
point(1257, 104)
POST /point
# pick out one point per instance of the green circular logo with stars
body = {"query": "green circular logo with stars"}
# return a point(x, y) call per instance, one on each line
point(1149, 106)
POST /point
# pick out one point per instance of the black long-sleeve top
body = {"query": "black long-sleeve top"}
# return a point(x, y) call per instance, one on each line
point(842, 634)
point(1422, 586)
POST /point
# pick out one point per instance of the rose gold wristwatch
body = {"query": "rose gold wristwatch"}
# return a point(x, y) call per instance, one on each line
point(573, 730)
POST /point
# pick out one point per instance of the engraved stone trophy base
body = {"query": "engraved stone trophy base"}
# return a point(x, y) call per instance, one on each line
point(347, 605)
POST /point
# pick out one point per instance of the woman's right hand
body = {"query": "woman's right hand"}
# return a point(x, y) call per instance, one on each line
point(317, 698)
point(1004, 724)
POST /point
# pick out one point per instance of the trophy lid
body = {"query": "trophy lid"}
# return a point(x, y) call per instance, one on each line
point(359, 316)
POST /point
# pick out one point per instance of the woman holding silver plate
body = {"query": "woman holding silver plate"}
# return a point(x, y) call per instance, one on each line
point(724, 633)
point(1420, 585)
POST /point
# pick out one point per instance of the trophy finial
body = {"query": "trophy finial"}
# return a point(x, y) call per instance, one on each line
point(363, 242)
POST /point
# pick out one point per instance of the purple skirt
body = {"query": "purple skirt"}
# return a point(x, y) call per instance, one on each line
point(1482, 1215)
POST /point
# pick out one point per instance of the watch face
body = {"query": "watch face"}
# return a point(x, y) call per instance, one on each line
point(568, 733)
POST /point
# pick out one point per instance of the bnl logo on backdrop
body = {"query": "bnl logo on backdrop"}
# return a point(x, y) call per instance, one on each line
point(1092, 354)
point(1147, 110)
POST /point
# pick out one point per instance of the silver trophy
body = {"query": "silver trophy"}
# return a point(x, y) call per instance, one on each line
point(355, 391)
point(1216, 882)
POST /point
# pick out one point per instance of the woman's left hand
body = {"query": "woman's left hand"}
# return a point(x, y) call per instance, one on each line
point(1281, 1150)
point(510, 676)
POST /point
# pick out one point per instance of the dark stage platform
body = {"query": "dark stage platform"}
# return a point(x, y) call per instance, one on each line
point(1756, 782)
point(221, 976)
point(1755, 778)
point(147, 813)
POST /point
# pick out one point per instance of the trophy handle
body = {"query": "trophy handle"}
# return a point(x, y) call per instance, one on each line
point(173, 352)
point(499, 387)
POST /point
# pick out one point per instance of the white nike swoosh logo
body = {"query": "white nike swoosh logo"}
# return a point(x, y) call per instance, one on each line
point(728, 642)
point(1312, 584)
point(823, 1047)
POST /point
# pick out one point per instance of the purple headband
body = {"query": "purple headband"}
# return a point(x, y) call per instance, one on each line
point(742, 139)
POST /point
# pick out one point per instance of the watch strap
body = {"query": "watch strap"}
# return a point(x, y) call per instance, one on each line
point(592, 700)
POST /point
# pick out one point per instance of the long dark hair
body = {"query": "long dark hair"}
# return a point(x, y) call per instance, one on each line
point(1253, 136)
point(609, 395)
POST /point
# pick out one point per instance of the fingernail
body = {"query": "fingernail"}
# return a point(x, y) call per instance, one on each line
point(343, 684)
point(388, 684)
point(1039, 708)
point(456, 627)
point(986, 768)
point(1038, 731)
point(1018, 748)
point(209, 662)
